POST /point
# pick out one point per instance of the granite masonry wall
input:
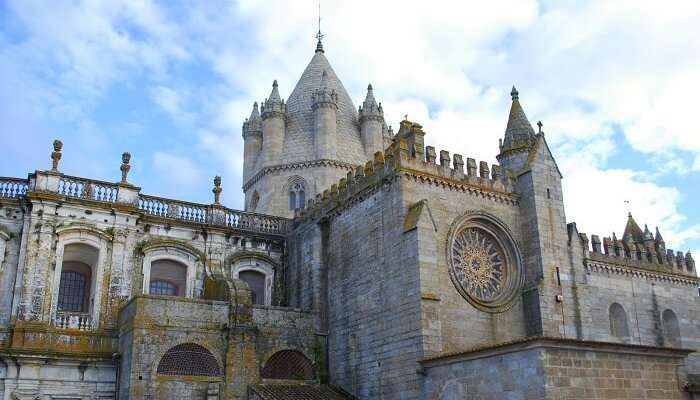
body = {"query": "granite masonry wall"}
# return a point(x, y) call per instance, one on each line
point(557, 369)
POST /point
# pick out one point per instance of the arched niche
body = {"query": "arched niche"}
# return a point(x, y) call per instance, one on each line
point(672, 330)
point(288, 365)
point(619, 326)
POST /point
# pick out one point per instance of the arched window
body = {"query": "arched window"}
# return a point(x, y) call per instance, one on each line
point(75, 285)
point(256, 282)
point(189, 359)
point(297, 196)
point(672, 331)
point(618, 322)
point(258, 272)
point(168, 278)
point(288, 364)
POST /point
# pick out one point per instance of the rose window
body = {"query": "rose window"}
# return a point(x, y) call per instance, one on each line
point(484, 263)
point(478, 263)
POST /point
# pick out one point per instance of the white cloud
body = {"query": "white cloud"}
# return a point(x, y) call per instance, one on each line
point(177, 169)
point(588, 70)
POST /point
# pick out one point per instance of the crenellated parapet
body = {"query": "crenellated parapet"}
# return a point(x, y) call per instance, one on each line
point(407, 158)
point(646, 253)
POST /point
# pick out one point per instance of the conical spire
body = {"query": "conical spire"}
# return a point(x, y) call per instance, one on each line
point(324, 94)
point(370, 107)
point(253, 124)
point(275, 94)
point(519, 131)
point(658, 237)
point(647, 233)
point(274, 103)
point(632, 230)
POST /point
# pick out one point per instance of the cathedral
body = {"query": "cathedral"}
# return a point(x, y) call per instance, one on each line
point(366, 265)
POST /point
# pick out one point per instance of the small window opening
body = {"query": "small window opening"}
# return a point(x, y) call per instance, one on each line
point(297, 196)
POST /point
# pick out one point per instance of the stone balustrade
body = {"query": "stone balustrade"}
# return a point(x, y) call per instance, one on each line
point(13, 187)
point(176, 209)
point(90, 189)
point(211, 214)
point(72, 320)
point(257, 222)
point(106, 192)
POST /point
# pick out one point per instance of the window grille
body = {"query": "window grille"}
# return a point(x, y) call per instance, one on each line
point(288, 364)
point(189, 359)
point(162, 288)
point(72, 292)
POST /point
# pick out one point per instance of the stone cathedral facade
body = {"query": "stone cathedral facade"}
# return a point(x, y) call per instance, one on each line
point(365, 265)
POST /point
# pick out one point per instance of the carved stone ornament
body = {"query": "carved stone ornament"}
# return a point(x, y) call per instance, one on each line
point(484, 262)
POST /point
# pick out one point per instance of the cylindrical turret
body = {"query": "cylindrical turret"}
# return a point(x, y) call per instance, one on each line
point(325, 106)
point(252, 140)
point(371, 124)
point(273, 127)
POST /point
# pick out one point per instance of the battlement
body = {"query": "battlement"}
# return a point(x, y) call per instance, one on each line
point(649, 253)
point(408, 157)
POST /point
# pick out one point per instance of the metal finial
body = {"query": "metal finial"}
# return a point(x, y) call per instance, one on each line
point(319, 35)
point(514, 93)
point(539, 126)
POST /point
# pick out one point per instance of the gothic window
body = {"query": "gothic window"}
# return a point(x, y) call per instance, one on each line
point(73, 292)
point(288, 364)
point(162, 288)
point(297, 196)
point(168, 278)
point(672, 332)
point(189, 359)
point(256, 282)
point(618, 322)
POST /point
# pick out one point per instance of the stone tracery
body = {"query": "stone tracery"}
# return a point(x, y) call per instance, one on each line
point(483, 262)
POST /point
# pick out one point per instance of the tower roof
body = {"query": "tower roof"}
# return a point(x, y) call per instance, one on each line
point(298, 144)
point(519, 131)
point(632, 230)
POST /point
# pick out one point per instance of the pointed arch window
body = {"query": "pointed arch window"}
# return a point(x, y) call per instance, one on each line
point(297, 196)
point(618, 322)
point(672, 331)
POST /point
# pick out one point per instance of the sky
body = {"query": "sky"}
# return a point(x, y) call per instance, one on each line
point(615, 84)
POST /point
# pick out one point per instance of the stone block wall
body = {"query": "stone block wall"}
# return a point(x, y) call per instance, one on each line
point(360, 272)
point(152, 325)
point(450, 322)
point(557, 369)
